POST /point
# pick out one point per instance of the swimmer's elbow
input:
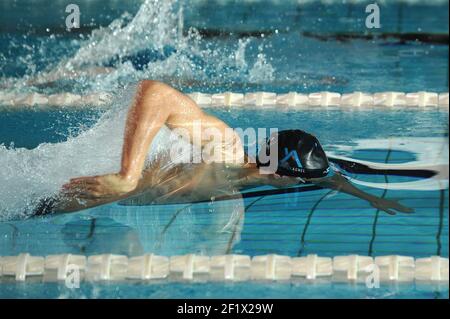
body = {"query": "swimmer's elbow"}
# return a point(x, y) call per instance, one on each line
point(152, 86)
point(145, 84)
point(154, 93)
point(151, 103)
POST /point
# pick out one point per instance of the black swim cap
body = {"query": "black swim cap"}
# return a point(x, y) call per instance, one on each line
point(299, 154)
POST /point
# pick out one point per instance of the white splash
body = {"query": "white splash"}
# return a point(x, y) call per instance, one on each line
point(157, 27)
point(30, 175)
point(262, 71)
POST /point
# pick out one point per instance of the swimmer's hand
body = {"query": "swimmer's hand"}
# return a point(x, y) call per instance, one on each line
point(102, 186)
point(387, 205)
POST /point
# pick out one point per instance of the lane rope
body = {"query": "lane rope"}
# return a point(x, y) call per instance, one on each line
point(231, 267)
point(291, 100)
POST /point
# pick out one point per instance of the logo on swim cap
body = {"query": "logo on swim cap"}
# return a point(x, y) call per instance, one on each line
point(299, 154)
point(292, 154)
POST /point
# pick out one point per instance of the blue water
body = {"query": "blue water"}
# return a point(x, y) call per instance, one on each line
point(292, 224)
point(227, 290)
point(283, 224)
point(273, 35)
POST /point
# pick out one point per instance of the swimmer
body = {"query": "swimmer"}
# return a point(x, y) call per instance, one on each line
point(300, 159)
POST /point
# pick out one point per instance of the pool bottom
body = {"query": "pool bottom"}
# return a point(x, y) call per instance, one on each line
point(263, 290)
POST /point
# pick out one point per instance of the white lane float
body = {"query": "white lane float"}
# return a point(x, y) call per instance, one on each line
point(62, 265)
point(149, 266)
point(190, 267)
point(230, 267)
point(312, 266)
point(396, 268)
point(107, 267)
point(357, 99)
point(324, 99)
point(389, 99)
point(22, 266)
point(292, 99)
point(271, 267)
point(260, 99)
point(352, 267)
point(420, 100)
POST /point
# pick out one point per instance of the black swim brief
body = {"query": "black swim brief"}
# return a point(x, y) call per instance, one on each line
point(45, 207)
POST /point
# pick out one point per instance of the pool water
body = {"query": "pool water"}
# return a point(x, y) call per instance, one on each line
point(40, 149)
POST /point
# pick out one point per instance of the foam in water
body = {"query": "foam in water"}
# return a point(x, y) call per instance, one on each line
point(30, 175)
point(262, 71)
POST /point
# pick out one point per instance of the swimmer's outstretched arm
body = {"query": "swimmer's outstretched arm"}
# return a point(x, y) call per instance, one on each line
point(155, 104)
point(341, 184)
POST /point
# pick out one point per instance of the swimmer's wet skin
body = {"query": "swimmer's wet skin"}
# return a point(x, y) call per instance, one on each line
point(300, 159)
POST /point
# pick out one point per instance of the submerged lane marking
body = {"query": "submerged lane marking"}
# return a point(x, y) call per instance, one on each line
point(377, 213)
point(233, 235)
point(441, 222)
point(308, 221)
point(158, 245)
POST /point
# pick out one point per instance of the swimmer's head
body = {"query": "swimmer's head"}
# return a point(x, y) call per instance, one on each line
point(299, 155)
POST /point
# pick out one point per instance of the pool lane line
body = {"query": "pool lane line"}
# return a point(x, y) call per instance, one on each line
point(174, 216)
point(14, 234)
point(253, 203)
point(92, 227)
point(377, 213)
point(358, 168)
point(233, 235)
point(431, 38)
point(219, 33)
point(441, 222)
point(308, 221)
